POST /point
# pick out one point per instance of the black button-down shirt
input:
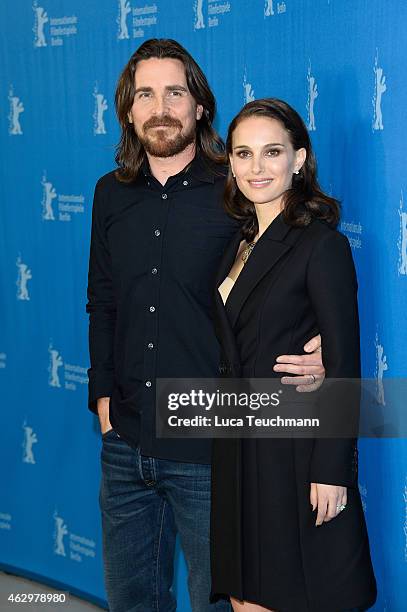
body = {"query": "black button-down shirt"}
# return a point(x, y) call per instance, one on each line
point(154, 253)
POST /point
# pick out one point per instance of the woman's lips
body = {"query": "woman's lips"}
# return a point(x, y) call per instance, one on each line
point(259, 183)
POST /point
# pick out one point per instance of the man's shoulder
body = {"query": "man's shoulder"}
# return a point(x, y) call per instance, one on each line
point(208, 170)
point(220, 176)
point(108, 181)
point(110, 191)
point(217, 171)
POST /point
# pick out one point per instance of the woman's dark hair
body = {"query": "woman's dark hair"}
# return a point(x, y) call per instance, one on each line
point(130, 152)
point(304, 200)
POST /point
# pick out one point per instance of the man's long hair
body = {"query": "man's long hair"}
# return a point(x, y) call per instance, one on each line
point(130, 153)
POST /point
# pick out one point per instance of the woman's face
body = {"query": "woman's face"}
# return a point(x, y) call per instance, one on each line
point(263, 159)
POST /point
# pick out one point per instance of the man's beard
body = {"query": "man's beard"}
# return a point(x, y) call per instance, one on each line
point(161, 145)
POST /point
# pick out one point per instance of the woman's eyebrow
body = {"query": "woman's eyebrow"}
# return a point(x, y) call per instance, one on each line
point(270, 144)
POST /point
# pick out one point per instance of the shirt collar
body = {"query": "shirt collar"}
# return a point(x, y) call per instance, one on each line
point(199, 168)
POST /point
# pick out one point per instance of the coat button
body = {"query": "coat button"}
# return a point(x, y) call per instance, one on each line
point(164, 196)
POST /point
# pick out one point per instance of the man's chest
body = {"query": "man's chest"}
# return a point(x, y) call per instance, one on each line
point(180, 235)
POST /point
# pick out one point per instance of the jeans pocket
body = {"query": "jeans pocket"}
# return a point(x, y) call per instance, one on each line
point(108, 433)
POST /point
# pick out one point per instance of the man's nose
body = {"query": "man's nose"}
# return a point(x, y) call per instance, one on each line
point(160, 105)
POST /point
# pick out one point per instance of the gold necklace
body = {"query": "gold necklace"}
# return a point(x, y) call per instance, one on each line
point(247, 251)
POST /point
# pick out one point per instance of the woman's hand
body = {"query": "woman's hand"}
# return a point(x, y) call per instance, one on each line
point(329, 499)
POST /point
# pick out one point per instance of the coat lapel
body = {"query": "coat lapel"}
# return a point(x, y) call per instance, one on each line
point(223, 328)
point(276, 241)
point(228, 258)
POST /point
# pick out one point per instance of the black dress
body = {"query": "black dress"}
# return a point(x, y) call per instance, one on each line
point(265, 547)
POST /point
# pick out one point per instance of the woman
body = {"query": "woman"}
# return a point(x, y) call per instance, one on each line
point(288, 530)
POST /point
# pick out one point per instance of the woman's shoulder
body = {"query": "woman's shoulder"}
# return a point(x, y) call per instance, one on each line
point(321, 230)
point(328, 246)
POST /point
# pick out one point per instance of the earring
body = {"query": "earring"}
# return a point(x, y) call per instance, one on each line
point(297, 172)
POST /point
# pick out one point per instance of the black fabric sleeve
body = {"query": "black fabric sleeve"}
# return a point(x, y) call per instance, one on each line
point(332, 288)
point(101, 307)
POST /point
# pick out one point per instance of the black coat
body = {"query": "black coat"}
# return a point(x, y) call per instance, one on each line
point(264, 545)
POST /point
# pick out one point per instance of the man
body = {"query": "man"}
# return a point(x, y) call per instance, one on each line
point(158, 232)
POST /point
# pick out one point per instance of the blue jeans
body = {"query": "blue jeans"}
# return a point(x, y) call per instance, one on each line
point(145, 502)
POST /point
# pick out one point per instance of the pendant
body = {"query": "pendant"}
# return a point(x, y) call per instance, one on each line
point(247, 251)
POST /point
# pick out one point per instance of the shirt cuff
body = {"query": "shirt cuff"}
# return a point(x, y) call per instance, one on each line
point(101, 384)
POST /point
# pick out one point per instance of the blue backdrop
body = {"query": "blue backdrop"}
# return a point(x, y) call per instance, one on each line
point(341, 63)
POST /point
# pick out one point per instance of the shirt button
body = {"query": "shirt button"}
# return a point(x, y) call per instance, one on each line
point(154, 271)
point(185, 183)
point(150, 345)
point(157, 232)
point(164, 196)
point(152, 309)
point(148, 383)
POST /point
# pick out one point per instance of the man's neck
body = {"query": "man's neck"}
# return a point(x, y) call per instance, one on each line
point(164, 167)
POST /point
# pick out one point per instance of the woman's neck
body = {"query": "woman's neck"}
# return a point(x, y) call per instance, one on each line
point(266, 213)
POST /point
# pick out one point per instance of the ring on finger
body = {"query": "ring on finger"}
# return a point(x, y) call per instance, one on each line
point(340, 507)
point(313, 378)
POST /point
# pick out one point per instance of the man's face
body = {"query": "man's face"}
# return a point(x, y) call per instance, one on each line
point(164, 113)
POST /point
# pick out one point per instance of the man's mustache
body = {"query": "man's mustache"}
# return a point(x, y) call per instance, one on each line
point(164, 121)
